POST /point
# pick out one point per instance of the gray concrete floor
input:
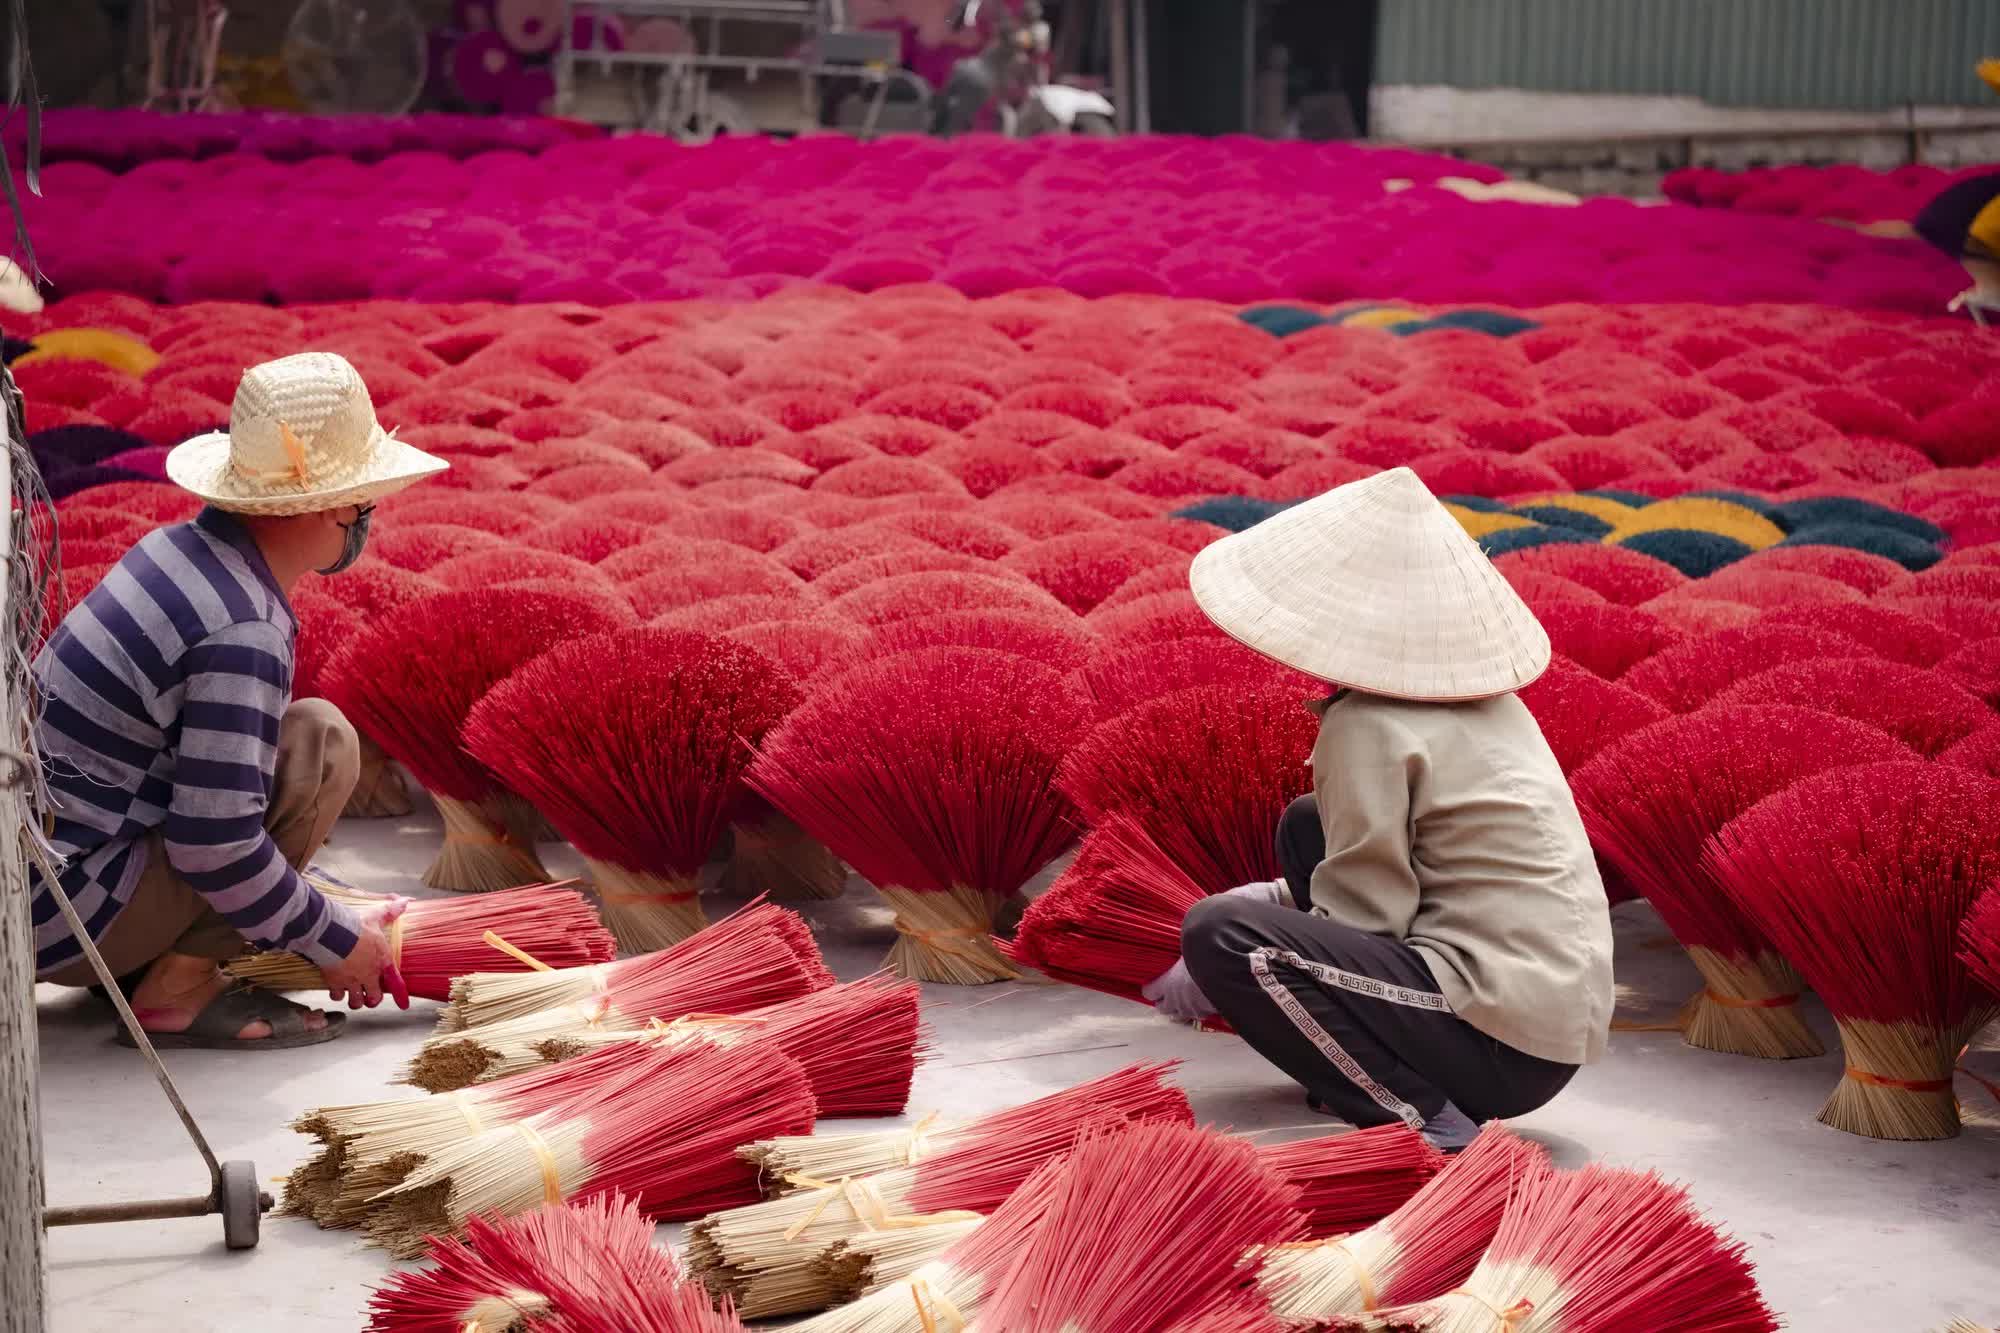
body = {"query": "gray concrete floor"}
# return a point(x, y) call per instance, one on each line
point(1848, 1234)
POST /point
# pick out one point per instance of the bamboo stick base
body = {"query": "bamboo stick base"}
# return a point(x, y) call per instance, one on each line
point(379, 791)
point(480, 854)
point(1748, 1006)
point(645, 912)
point(776, 856)
point(946, 937)
point(1898, 1080)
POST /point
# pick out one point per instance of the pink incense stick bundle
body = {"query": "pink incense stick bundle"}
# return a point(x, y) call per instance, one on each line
point(1980, 942)
point(1112, 920)
point(1651, 802)
point(1353, 1180)
point(764, 1255)
point(438, 940)
point(633, 744)
point(409, 681)
point(1420, 1251)
point(946, 1292)
point(568, 1267)
point(931, 773)
point(370, 1146)
point(1207, 772)
point(858, 1042)
point(1055, 641)
point(1864, 877)
point(495, 1021)
point(1600, 1250)
point(1146, 1226)
point(665, 1136)
point(1580, 712)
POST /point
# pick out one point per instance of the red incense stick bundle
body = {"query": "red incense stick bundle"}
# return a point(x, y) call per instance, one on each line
point(759, 956)
point(410, 679)
point(858, 1042)
point(563, 1266)
point(1120, 677)
point(1353, 1180)
point(665, 1137)
point(1979, 942)
point(931, 773)
point(946, 1292)
point(1422, 1250)
point(1147, 1226)
point(1580, 712)
point(764, 1255)
point(370, 1146)
point(1600, 1250)
point(1112, 920)
point(1651, 802)
point(1686, 676)
point(1864, 877)
point(1925, 710)
point(633, 743)
point(324, 625)
point(438, 940)
point(1207, 772)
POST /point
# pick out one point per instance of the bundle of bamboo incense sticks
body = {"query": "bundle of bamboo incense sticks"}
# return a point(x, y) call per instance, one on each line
point(663, 1135)
point(761, 948)
point(437, 940)
point(1345, 1181)
point(1422, 1250)
point(763, 1256)
point(857, 1044)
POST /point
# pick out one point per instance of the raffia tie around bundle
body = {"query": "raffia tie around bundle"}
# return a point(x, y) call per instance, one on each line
point(497, 1314)
point(869, 1207)
point(1337, 1245)
point(645, 912)
point(1897, 1083)
point(481, 852)
point(946, 937)
point(1746, 1007)
point(934, 1309)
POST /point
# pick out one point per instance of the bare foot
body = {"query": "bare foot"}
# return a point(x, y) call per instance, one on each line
point(177, 987)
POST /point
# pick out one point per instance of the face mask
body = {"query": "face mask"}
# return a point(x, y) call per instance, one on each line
point(357, 537)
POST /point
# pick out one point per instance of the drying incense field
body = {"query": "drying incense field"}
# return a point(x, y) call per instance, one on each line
point(818, 524)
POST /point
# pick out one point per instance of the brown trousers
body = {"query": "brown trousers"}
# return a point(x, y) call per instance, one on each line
point(319, 759)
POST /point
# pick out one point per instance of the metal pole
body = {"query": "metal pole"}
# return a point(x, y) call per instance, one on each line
point(1121, 63)
point(22, 1291)
point(1142, 81)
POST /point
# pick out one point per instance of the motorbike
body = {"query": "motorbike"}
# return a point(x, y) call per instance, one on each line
point(1011, 74)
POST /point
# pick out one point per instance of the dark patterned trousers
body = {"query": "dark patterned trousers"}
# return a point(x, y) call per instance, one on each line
point(1355, 1018)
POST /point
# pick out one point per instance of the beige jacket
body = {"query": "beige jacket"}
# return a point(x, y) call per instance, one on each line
point(1450, 826)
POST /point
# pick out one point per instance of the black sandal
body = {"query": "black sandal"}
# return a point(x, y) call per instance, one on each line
point(216, 1026)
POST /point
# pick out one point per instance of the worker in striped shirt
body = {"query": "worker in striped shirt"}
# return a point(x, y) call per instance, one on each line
point(188, 786)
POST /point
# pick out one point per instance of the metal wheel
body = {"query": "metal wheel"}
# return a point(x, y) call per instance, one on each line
point(242, 1205)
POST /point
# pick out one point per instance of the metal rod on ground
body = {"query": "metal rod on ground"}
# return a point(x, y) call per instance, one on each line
point(22, 1289)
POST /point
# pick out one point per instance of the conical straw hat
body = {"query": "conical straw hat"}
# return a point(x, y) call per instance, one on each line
point(302, 438)
point(1374, 586)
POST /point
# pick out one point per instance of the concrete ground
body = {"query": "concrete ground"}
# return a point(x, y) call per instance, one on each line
point(1848, 1234)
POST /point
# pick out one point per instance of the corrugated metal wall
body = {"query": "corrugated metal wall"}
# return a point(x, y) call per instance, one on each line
point(1790, 53)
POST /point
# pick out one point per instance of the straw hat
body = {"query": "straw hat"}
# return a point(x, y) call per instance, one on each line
point(302, 438)
point(1374, 586)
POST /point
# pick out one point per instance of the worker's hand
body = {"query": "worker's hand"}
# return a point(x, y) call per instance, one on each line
point(370, 968)
point(1175, 994)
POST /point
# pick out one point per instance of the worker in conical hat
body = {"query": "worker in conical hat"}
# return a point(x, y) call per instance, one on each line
point(188, 788)
point(1439, 949)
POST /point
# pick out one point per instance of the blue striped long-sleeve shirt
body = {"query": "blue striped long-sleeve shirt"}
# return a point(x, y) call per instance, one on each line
point(162, 694)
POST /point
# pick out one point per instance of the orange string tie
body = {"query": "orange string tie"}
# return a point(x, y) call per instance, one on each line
point(1504, 1321)
point(1764, 1002)
point(1874, 1080)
